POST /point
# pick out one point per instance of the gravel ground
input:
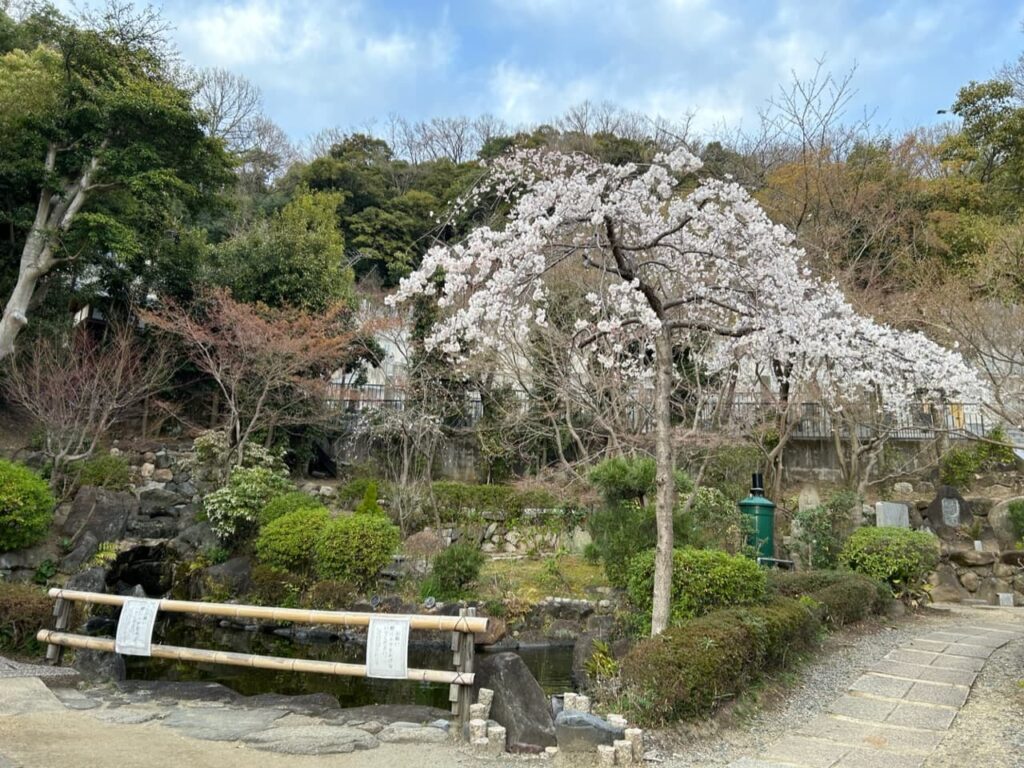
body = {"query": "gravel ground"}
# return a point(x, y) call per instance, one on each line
point(845, 656)
point(989, 731)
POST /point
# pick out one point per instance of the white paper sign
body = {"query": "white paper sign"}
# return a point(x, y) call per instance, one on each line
point(387, 648)
point(135, 627)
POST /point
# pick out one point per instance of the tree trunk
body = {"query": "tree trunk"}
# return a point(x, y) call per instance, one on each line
point(665, 483)
point(54, 215)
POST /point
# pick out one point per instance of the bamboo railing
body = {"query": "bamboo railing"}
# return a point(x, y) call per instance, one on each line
point(462, 627)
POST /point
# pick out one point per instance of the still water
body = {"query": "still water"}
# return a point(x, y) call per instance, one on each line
point(551, 665)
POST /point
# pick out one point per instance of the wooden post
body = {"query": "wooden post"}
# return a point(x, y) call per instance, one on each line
point(62, 614)
point(466, 652)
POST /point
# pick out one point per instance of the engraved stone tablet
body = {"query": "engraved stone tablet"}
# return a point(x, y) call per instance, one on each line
point(135, 626)
point(387, 648)
point(889, 514)
point(951, 512)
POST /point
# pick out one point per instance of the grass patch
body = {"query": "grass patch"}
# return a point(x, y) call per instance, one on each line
point(533, 580)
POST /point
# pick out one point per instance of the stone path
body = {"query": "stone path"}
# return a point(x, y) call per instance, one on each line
point(896, 714)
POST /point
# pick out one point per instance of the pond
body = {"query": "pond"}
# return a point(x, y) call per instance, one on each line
point(551, 665)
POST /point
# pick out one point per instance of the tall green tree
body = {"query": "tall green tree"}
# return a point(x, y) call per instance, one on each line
point(103, 159)
point(296, 257)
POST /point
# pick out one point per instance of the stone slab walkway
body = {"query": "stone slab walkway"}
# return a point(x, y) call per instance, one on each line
point(895, 714)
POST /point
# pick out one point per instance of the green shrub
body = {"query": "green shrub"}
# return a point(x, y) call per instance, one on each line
point(233, 510)
point(821, 530)
point(801, 583)
point(1015, 510)
point(212, 455)
point(369, 505)
point(728, 468)
point(960, 463)
point(330, 596)
point(714, 521)
point(850, 599)
point(702, 580)
point(289, 542)
point(687, 670)
point(625, 525)
point(285, 504)
point(457, 502)
point(105, 471)
point(350, 493)
point(274, 587)
point(24, 610)
point(454, 570)
point(899, 557)
point(353, 549)
point(26, 507)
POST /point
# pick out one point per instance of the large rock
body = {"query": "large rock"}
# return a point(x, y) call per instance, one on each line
point(999, 519)
point(102, 513)
point(519, 702)
point(100, 666)
point(972, 557)
point(194, 539)
point(583, 732)
point(76, 558)
point(948, 511)
point(154, 499)
point(90, 580)
point(235, 575)
point(946, 587)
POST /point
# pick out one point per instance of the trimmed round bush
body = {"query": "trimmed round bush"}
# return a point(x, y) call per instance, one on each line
point(285, 504)
point(289, 542)
point(353, 549)
point(899, 557)
point(26, 507)
point(702, 580)
point(454, 569)
point(687, 670)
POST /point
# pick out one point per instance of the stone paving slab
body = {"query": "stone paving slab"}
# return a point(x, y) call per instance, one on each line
point(945, 661)
point(924, 716)
point(866, 758)
point(880, 685)
point(863, 708)
point(928, 674)
point(805, 751)
point(938, 693)
point(897, 713)
point(879, 736)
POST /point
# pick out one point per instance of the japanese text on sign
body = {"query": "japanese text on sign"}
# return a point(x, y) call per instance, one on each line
point(135, 627)
point(387, 648)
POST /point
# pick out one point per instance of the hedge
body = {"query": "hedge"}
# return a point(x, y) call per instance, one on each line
point(687, 670)
point(702, 580)
point(355, 548)
point(684, 672)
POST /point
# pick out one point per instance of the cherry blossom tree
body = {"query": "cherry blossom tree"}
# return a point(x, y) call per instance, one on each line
point(669, 259)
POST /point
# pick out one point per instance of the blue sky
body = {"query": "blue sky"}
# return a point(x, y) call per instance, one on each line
point(323, 63)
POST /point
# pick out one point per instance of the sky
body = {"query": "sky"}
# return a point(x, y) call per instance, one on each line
point(351, 63)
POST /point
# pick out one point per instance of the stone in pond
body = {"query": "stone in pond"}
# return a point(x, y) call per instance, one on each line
point(583, 732)
point(519, 702)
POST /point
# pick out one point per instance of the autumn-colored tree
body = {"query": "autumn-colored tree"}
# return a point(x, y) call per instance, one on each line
point(271, 366)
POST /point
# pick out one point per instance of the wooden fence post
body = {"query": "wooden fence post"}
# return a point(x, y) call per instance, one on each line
point(62, 614)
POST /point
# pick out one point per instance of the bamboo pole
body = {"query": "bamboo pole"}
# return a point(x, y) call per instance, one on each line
point(469, 625)
point(276, 663)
